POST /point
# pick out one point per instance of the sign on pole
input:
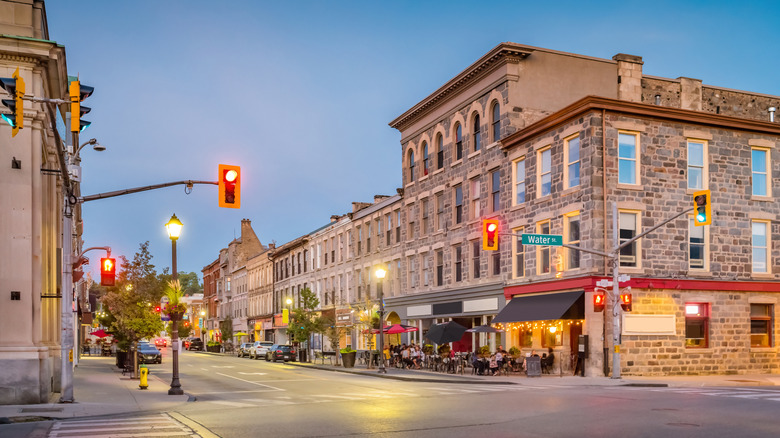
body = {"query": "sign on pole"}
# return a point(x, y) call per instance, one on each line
point(542, 239)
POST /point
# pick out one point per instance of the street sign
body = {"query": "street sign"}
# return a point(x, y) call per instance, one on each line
point(623, 278)
point(543, 239)
point(164, 300)
point(603, 283)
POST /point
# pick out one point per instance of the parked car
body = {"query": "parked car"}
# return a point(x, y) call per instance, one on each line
point(194, 344)
point(160, 342)
point(259, 349)
point(148, 353)
point(285, 352)
point(243, 349)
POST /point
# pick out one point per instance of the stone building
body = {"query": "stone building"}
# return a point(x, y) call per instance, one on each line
point(260, 295)
point(210, 301)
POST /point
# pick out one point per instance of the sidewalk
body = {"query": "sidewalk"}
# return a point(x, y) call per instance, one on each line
point(99, 389)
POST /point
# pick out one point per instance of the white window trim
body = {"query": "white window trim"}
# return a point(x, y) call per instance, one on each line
point(566, 251)
point(515, 182)
point(638, 153)
point(566, 162)
point(705, 177)
point(539, 249)
point(768, 253)
point(706, 267)
point(638, 243)
point(767, 171)
point(539, 173)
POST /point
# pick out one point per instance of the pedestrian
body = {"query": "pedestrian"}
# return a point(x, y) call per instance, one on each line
point(493, 365)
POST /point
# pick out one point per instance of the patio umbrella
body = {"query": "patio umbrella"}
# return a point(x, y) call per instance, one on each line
point(99, 333)
point(240, 334)
point(484, 329)
point(449, 331)
point(398, 328)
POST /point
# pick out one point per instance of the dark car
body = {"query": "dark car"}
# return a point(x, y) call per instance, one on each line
point(148, 353)
point(285, 352)
point(194, 344)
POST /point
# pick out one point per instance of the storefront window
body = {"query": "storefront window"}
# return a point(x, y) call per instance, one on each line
point(697, 319)
point(552, 336)
point(526, 337)
point(761, 325)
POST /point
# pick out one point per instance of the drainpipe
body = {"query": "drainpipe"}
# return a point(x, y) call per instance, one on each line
point(604, 342)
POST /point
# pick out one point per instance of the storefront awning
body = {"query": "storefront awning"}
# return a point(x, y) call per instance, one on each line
point(564, 305)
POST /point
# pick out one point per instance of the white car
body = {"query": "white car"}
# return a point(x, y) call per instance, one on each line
point(259, 349)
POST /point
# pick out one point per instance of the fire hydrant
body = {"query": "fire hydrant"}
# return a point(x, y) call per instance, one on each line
point(144, 371)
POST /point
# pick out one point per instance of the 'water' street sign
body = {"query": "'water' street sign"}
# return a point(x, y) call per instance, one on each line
point(543, 239)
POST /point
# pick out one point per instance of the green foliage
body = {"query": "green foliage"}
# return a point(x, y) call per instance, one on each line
point(427, 349)
point(484, 351)
point(184, 330)
point(347, 350)
point(514, 351)
point(190, 283)
point(333, 332)
point(304, 320)
point(226, 327)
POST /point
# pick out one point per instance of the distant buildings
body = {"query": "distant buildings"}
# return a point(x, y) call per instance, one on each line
point(546, 142)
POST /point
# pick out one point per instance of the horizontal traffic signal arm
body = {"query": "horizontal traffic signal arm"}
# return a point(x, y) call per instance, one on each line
point(188, 183)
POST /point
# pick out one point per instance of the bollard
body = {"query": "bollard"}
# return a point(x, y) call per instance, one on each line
point(144, 381)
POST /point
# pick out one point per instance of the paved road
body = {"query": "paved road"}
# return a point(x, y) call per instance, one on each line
point(239, 397)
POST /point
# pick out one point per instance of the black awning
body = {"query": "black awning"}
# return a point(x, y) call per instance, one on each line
point(563, 305)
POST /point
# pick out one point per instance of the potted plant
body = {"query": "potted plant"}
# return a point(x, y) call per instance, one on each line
point(348, 356)
point(514, 352)
point(484, 351)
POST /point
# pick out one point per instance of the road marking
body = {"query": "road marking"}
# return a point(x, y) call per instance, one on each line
point(250, 374)
point(231, 404)
point(254, 383)
point(341, 397)
point(269, 400)
point(158, 425)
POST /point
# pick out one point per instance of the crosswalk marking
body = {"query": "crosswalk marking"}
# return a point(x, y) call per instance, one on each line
point(232, 403)
point(142, 426)
point(743, 393)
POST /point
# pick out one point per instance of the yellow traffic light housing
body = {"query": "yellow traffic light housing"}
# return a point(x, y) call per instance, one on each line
point(702, 204)
point(229, 186)
point(16, 88)
point(78, 93)
point(490, 234)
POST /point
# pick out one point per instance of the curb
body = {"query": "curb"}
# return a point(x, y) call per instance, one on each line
point(404, 378)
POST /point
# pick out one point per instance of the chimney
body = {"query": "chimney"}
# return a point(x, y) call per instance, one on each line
point(334, 218)
point(379, 198)
point(629, 71)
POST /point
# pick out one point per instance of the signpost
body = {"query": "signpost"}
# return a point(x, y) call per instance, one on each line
point(543, 239)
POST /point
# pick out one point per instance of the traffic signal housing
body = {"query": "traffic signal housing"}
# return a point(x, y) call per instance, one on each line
point(229, 186)
point(626, 302)
point(107, 271)
point(598, 302)
point(78, 93)
point(490, 234)
point(16, 88)
point(702, 204)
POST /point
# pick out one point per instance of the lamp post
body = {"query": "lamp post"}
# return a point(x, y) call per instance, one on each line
point(174, 230)
point(380, 274)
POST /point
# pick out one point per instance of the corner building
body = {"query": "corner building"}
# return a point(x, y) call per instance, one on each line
point(546, 142)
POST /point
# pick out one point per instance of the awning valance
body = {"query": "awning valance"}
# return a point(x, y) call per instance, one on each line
point(562, 305)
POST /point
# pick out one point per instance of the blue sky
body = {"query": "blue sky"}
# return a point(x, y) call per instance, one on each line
point(300, 94)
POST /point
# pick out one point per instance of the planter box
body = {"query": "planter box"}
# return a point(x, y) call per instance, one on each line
point(349, 359)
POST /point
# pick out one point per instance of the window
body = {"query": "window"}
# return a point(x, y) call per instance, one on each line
point(341, 247)
point(760, 246)
point(495, 261)
point(410, 229)
point(439, 152)
point(440, 211)
point(572, 233)
point(551, 337)
point(439, 267)
point(476, 251)
point(305, 259)
point(496, 122)
point(495, 187)
point(458, 142)
point(389, 227)
point(477, 133)
point(628, 171)
point(518, 178)
point(378, 232)
point(518, 261)
point(359, 240)
point(458, 262)
point(368, 236)
point(544, 172)
point(398, 226)
point(697, 325)
point(475, 211)
point(411, 275)
point(697, 171)
point(759, 166)
point(426, 264)
point(761, 325)
point(543, 253)
point(424, 220)
point(425, 158)
point(458, 204)
point(526, 337)
point(628, 229)
point(572, 157)
point(411, 166)
point(326, 255)
point(696, 245)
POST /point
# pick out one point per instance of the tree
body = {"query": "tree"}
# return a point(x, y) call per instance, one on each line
point(305, 320)
point(367, 320)
point(226, 328)
point(190, 283)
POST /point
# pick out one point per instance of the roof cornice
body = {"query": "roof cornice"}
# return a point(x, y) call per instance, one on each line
point(589, 103)
point(502, 54)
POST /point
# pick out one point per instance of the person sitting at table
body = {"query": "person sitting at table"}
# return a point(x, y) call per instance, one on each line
point(406, 357)
point(415, 354)
point(500, 356)
point(493, 365)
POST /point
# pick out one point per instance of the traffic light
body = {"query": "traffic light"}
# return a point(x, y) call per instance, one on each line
point(598, 302)
point(625, 302)
point(702, 205)
point(107, 271)
point(158, 309)
point(15, 87)
point(229, 186)
point(78, 93)
point(490, 234)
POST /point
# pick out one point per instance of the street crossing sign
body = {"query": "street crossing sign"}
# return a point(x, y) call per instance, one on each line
point(542, 239)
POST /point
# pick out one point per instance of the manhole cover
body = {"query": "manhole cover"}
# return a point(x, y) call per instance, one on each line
point(683, 424)
point(25, 410)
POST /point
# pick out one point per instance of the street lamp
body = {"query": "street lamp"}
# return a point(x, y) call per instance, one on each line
point(380, 274)
point(174, 230)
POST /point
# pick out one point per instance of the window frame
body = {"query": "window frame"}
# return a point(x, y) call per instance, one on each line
point(476, 252)
point(541, 173)
point(705, 246)
point(426, 158)
point(637, 244)
point(496, 123)
point(424, 217)
point(458, 143)
point(518, 254)
point(457, 255)
point(439, 151)
point(703, 168)
point(766, 248)
point(457, 211)
point(495, 190)
point(475, 192)
point(477, 132)
point(544, 251)
point(516, 183)
point(703, 318)
point(769, 320)
point(767, 172)
point(439, 263)
point(410, 157)
point(439, 218)
point(571, 254)
point(568, 163)
point(636, 160)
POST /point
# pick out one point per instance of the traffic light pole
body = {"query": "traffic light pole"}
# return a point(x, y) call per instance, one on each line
point(187, 183)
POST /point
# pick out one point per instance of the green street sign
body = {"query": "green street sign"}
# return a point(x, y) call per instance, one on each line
point(543, 239)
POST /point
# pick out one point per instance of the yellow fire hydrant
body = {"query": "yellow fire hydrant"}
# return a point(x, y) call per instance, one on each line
point(144, 371)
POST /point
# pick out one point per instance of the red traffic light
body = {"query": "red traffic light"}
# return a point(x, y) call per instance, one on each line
point(157, 309)
point(107, 271)
point(625, 302)
point(490, 234)
point(229, 186)
point(598, 302)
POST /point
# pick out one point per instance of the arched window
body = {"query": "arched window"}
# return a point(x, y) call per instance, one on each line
point(425, 158)
point(411, 166)
point(496, 122)
point(439, 152)
point(458, 142)
point(477, 133)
